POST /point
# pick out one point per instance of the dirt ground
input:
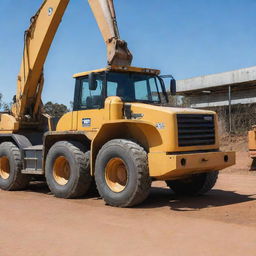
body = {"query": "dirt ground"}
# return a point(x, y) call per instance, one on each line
point(239, 144)
point(223, 222)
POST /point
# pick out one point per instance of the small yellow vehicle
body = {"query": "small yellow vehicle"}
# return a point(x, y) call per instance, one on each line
point(252, 143)
point(119, 133)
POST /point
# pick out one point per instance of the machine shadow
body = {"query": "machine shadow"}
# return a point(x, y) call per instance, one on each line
point(253, 165)
point(162, 197)
point(39, 187)
point(42, 188)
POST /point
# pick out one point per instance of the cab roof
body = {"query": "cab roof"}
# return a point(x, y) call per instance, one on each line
point(120, 69)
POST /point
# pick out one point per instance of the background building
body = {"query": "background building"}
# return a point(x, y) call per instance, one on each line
point(232, 94)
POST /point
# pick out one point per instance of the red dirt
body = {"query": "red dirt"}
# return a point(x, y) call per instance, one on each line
point(220, 223)
point(223, 222)
point(239, 144)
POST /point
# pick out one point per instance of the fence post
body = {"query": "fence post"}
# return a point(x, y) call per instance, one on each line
point(230, 115)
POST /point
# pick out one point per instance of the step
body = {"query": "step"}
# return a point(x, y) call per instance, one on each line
point(32, 157)
point(33, 171)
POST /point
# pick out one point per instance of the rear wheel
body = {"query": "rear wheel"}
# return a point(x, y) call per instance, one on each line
point(11, 177)
point(68, 169)
point(197, 184)
point(121, 173)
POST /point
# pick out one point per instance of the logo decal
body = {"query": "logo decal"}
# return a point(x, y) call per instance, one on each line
point(160, 125)
point(208, 118)
point(86, 122)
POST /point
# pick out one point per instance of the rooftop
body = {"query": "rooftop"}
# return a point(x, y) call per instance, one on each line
point(239, 79)
point(120, 69)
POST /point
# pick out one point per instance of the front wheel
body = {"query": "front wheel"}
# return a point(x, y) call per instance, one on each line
point(197, 184)
point(121, 173)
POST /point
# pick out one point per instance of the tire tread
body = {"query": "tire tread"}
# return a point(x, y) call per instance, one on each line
point(141, 163)
point(20, 180)
point(195, 188)
point(82, 158)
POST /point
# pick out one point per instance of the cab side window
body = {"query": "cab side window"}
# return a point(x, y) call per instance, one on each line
point(91, 99)
point(112, 88)
point(142, 91)
point(154, 85)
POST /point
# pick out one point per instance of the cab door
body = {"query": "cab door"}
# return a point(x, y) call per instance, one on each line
point(89, 105)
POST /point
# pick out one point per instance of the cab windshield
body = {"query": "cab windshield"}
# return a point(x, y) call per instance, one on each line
point(132, 87)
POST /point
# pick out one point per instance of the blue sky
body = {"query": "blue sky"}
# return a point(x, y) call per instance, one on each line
point(183, 37)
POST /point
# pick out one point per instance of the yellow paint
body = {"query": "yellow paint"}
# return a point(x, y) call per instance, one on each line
point(169, 134)
point(114, 108)
point(166, 166)
point(151, 116)
point(8, 123)
point(4, 168)
point(39, 38)
point(252, 140)
point(109, 123)
point(61, 170)
point(117, 50)
point(116, 175)
point(120, 69)
point(66, 122)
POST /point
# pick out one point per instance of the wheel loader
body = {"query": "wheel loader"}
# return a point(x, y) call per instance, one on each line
point(120, 134)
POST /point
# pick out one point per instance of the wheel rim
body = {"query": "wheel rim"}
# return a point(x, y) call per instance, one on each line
point(61, 170)
point(116, 175)
point(4, 168)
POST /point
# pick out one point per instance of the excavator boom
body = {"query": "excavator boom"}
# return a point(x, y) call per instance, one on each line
point(37, 42)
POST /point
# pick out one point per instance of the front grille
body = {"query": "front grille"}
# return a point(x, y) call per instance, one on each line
point(195, 130)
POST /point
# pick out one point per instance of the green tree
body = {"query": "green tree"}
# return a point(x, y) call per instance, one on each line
point(55, 109)
point(3, 105)
point(1, 102)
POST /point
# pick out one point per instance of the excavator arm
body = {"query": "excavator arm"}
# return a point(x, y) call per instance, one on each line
point(37, 42)
point(117, 50)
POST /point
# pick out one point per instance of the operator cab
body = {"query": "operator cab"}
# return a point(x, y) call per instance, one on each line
point(129, 83)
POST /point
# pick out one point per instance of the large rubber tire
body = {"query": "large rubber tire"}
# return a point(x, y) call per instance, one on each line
point(77, 158)
point(197, 184)
point(11, 177)
point(135, 163)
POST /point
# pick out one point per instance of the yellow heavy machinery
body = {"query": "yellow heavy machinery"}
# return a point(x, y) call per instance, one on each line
point(252, 144)
point(119, 133)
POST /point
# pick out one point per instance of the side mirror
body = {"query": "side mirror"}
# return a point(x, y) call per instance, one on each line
point(173, 87)
point(92, 82)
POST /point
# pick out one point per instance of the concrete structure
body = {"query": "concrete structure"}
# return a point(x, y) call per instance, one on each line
point(223, 89)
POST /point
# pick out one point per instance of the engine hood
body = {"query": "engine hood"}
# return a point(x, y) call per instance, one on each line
point(172, 110)
point(165, 120)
